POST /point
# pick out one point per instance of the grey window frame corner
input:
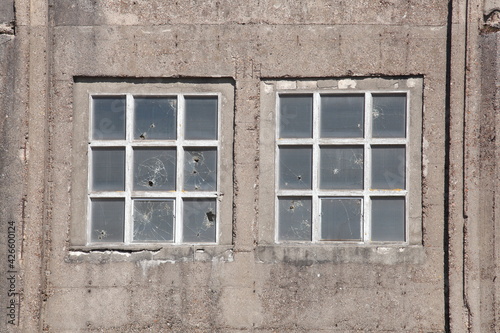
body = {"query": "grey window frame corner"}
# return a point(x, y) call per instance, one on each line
point(81, 192)
point(269, 189)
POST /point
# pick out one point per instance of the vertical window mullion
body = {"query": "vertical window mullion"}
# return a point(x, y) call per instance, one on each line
point(178, 217)
point(367, 168)
point(315, 168)
point(128, 228)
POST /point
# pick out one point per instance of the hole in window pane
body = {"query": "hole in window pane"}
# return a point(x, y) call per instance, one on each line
point(340, 219)
point(341, 167)
point(295, 167)
point(155, 118)
point(295, 219)
point(389, 116)
point(154, 169)
point(108, 218)
point(154, 220)
point(108, 118)
point(295, 116)
point(388, 167)
point(108, 169)
point(200, 169)
point(388, 219)
point(342, 116)
point(199, 220)
point(201, 118)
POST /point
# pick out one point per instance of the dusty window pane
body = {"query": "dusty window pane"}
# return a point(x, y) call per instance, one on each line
point(201, 118)
point(108, 169)
point(108, 118)
point(199, 220)
point(295, 167)
point(154, 169)
point(155, 118)
point(154, 220)
point(200, 169)
point(389, 116)
point(388, 219)
point(108, 218)
point(388, 167)
point(341, 167)
point(341, 219)
point(342, 116)
point(295, 219)
point(295, 116)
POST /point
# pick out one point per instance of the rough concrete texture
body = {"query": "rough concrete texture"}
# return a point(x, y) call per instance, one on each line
point(252, 284)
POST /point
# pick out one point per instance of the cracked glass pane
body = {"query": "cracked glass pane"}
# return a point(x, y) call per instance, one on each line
point(200, 169)
point(389, 116)
point(199, 221)
point(388, 167)
point(341, 167)
point(296, 116)
point(201, 118)
point(388, 219)
point(295, 167)
point(154, 169)
point(108, 169)
point(108, 118)
point(342, 116)
point(154, 220)
point(340, 219)
point(155, 118)
point(295, 219)
point(108, 218)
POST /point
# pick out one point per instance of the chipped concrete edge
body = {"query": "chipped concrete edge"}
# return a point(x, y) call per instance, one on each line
point(6, 29)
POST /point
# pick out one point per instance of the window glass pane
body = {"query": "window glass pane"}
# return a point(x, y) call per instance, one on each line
point(295, 167)
point(295, 116)
point(389, 116)
point(200, 169)
point(341, 167)
point(154, 220)
point(155, 118)
point(388, 167)
point(108, 118)
point(108, 169)
point(201, 118)
point(341, 219)
point(295, 219)
point(342, 116)
point(108, 218)
point(199, 220)
point(388, 219)
point(154, 169)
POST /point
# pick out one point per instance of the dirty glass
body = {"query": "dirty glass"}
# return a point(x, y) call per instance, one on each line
point(389, 116)
point(154, 169)
point(388, 167)
point(200, 118)
point(108, 169)
point(295, 116)
point(153, 220)
point(199, 221)
point(342, 116)
point(295, 219)
point(340, 219)
point(200, 169)
point(155, 118)
point(108, 218)
point(341, 167)
point(108, 118)
point(295, 167)
point(388, 219)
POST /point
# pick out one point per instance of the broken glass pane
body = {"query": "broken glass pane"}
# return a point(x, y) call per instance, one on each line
point(154, 220)
point(295, 219)
point(154, 169)
point(155, 118)
point(296, 116)
point(108, 218)
point(388, 219)
point(108, 118)
point(341, 167)
point(108, 169)
point(389, 116)
point(201, 118)
point(388, 167)
point(342, 116)
point(340, 219)
point(295, 167)
point(199, 221)
point(200, 169)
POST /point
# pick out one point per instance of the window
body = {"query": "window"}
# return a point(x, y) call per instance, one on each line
point(154, 156)
point(345, 162)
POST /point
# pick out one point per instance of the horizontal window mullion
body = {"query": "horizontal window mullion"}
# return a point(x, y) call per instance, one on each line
point(387, 193)
point(391, 141)
point(284, 142)
point(199, 194)
point(340, 193)
point(108, 194)
point(295, 193)
point(200, 143)
point(346, 142)
point(108, 143)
